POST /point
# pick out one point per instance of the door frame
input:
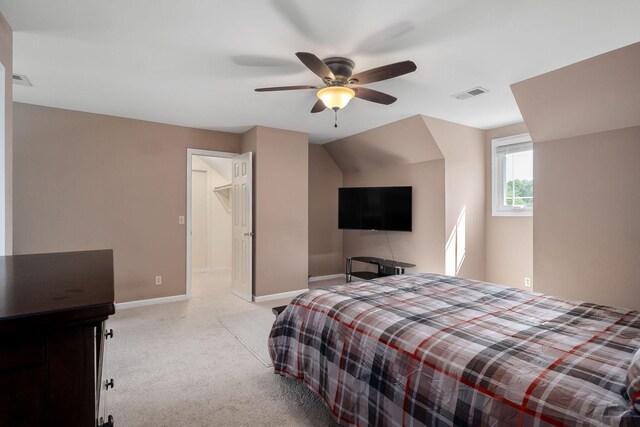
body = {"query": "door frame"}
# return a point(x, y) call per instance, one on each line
point(190, 153)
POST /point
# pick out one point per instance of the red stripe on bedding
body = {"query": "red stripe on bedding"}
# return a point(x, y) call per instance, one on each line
point(436, 368)
point(552, 367)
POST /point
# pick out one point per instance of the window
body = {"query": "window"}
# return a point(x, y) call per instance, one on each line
point(512, 171)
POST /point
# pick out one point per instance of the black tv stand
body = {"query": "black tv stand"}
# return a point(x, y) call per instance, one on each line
point(386, 267)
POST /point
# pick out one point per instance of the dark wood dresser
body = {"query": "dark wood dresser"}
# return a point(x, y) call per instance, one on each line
point(52, 313)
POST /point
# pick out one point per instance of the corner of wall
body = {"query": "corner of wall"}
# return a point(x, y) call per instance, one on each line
point(6, 58)
point(463, 150)
point(281, 220)
point(326, 253)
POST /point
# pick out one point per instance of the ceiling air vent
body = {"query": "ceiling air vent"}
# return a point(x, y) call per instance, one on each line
point(21, 79)
point(470, 93)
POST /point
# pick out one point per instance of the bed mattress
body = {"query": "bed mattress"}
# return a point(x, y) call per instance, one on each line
point(432, 350)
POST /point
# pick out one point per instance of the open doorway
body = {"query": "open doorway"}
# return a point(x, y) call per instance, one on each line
point(210, 214)
point(219, 222)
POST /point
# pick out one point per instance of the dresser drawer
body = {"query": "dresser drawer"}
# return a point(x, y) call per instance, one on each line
point(22, 352)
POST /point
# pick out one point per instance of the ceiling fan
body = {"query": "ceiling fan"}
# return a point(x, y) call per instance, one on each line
point(340, 84)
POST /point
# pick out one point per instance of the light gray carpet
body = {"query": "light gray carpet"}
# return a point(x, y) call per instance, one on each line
point(176, 365)
point(252, 329)
point(327, 283)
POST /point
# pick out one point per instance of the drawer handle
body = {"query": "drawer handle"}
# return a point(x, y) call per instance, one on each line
point(108, 334)
point(108, 384)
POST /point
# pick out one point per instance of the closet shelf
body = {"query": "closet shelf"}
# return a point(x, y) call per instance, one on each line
point(223, 191)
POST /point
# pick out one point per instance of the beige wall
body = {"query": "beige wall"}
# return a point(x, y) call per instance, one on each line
point(444, 163)
point(424, 246)
point(463, 151)
point(89, 181)
point(281, 209)
point(587, 217)
point(326, 254)
point(400, 153)
point(6, 58)
point(509, 244)
point(585, 123)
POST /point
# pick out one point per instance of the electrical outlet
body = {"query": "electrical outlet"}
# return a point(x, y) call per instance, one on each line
point(158, 280)
point(180, 219)
point(527, 282)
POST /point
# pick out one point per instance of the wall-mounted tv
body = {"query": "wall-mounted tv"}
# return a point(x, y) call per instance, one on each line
point(375, 208)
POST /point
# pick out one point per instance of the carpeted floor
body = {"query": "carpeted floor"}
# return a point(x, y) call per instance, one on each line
point(177, 365)
point(252, 328)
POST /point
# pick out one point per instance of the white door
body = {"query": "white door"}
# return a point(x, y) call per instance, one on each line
point(242, 234)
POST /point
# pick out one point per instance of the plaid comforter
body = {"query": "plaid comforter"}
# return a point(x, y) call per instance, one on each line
point(443, 351)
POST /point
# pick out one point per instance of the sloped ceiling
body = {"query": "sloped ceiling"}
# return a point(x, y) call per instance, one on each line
point(595, 95)
point(398, 143)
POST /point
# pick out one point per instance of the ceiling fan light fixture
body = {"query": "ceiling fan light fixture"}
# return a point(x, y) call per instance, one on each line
point(336, 97)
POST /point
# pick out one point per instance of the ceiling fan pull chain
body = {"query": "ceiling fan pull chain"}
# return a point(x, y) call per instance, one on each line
point(335, 123)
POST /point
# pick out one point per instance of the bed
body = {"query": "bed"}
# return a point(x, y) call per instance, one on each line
point(432, 350)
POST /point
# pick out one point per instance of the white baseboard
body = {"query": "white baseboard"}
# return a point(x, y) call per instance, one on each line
point(152, 301)
point(271, 297)
point(328, 277)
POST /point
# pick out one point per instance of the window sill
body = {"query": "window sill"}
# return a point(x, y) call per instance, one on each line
point(516, 213)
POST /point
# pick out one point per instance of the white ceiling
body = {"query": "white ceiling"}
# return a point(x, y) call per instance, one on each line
point(196, 62)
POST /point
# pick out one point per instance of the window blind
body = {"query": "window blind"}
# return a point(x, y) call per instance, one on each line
point(514, 148)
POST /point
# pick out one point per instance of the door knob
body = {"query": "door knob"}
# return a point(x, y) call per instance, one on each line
point(250, 234)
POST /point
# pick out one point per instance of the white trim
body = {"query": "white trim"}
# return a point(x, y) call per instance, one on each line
point(271, 297)
point(513, 212)
point(5, 247)
point(328, 277)
point(508, 140)
point(195, 152)
point(151, 301)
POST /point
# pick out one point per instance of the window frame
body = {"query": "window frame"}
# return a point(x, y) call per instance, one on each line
point(497, 209)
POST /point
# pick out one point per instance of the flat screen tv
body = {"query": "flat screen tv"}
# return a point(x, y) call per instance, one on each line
point(374, 208)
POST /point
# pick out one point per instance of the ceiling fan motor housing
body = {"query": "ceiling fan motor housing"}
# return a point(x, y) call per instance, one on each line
point(342, 68)
point(341, 85)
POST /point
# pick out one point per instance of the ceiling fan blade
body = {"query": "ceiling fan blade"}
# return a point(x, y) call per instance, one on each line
point(293, 12)
point(385, 72)
point(374, 96)
point(316, 65)
point(318, 106)
point(273, 89)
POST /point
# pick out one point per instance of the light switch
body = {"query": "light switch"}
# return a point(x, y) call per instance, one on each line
point(181, 219)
